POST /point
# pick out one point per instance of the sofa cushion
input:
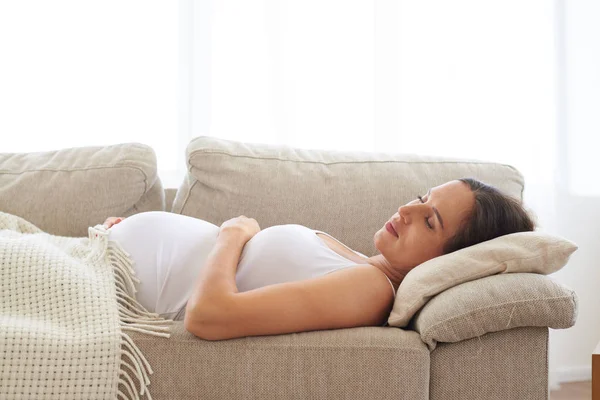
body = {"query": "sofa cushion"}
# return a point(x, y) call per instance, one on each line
point(536, 252)
point(348, 194)
point(352, 363)
point(495, 303)
point(63, 192)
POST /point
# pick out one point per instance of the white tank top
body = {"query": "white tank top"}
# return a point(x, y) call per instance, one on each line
point(169, 251)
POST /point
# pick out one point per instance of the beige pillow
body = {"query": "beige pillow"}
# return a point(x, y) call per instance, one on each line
point(65, 191)
point(534, 252)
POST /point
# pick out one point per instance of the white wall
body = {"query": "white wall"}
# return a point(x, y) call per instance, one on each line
point(571, 348)
point(578, 208)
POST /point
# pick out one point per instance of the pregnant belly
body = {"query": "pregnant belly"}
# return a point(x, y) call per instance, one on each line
point(167, 251)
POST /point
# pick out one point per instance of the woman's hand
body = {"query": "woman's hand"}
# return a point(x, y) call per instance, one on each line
point(110, 221)
point(241, 226)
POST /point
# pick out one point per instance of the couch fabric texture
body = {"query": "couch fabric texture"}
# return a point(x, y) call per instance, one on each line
point(483, 339)
point(63, 192)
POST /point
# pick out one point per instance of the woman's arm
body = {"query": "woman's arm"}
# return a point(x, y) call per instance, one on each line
point(216, 281)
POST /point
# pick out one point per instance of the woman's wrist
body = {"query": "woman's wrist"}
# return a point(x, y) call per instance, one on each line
point(232, 235)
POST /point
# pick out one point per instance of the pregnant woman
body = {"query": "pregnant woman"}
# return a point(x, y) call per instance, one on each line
point(238, 280)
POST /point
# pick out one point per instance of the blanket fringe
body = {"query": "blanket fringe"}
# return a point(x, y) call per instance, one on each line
point(132, 317)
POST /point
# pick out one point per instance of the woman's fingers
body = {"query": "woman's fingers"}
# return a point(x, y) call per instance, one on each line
point(110, 221)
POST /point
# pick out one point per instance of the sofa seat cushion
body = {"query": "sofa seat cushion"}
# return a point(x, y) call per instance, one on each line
point(495, 303)
point(63, 192)
point(327, 364)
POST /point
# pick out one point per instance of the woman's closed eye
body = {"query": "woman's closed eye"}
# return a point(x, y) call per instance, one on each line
point(426, 218)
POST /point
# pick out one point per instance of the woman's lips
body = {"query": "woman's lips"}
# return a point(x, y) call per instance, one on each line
point(390, 229)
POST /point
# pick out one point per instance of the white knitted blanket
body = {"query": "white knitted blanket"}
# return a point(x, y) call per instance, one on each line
point(66, 305)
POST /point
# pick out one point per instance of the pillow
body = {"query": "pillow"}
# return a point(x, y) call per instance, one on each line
point(65, 191)
point(493, 304)
point(535, 252)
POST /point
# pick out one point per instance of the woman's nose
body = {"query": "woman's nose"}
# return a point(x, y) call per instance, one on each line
point(406, 212)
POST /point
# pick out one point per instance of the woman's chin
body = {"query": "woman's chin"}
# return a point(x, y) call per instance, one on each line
point(384, 239)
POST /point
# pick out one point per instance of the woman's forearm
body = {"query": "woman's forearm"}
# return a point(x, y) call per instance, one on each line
point(216, 280)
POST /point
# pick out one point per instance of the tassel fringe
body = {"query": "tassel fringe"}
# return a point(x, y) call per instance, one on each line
point(132, 317)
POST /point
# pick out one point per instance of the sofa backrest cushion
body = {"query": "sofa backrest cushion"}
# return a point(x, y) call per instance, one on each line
point(348, 194)
point(63, 192)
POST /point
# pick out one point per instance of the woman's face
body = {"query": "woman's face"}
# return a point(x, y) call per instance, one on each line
point(424, 225)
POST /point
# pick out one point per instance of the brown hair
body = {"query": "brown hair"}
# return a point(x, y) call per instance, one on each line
point(494, 214)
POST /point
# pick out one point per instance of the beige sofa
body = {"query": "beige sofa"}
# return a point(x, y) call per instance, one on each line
point(484, 339)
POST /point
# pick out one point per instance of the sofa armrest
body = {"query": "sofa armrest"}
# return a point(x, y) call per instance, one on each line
point(495, 303)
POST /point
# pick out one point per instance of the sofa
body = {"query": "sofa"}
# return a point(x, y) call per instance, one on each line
point(483, 339)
